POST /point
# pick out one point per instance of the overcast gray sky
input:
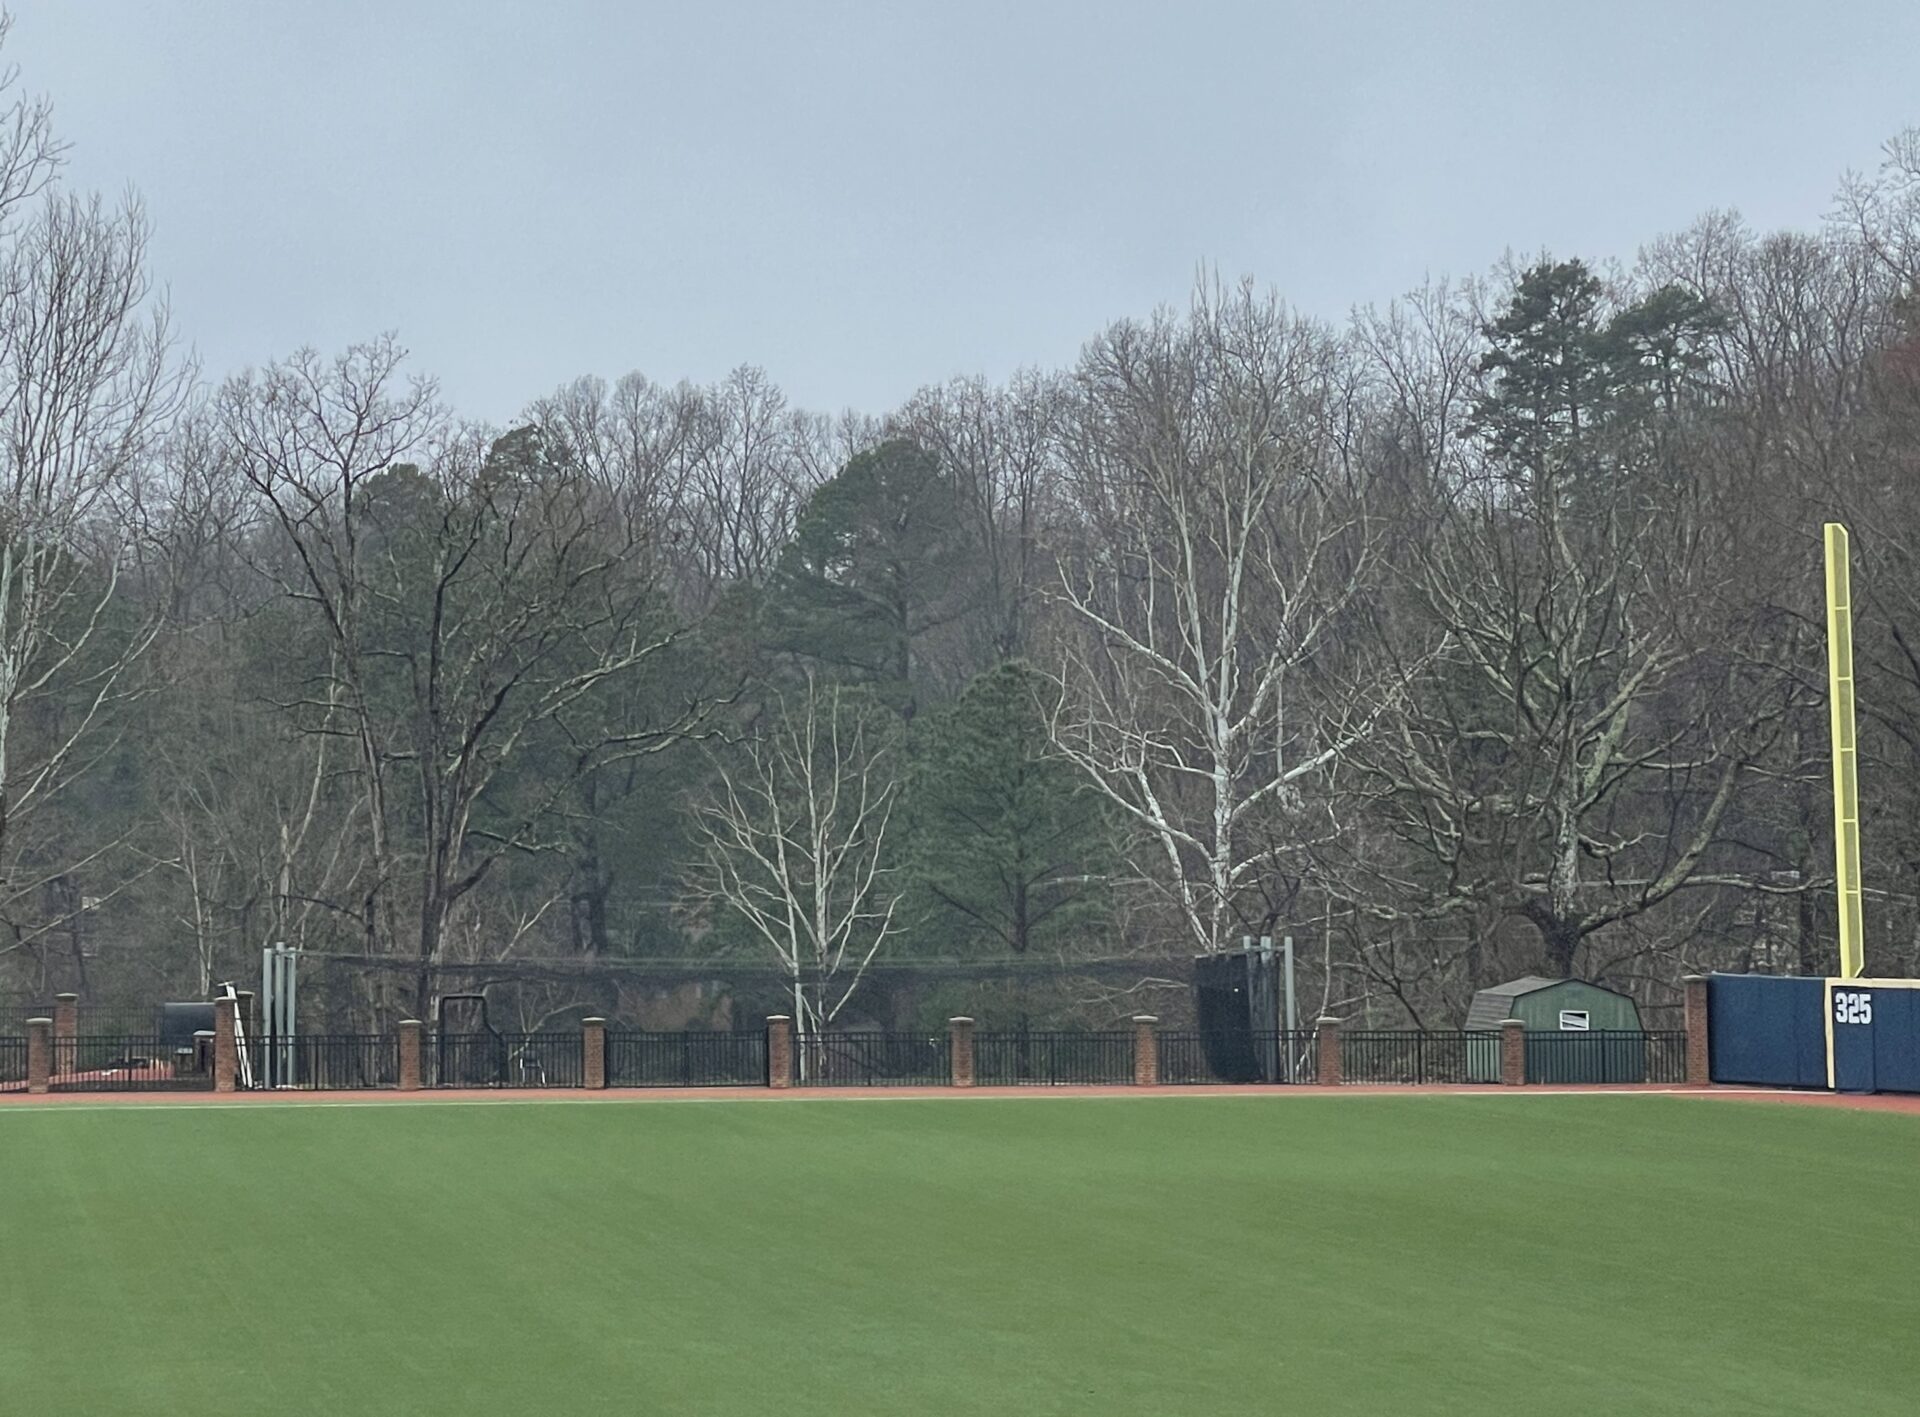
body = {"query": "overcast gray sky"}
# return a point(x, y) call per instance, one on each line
point(863, 198)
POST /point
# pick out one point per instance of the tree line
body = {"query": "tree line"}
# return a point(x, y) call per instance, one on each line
point(1477, 635)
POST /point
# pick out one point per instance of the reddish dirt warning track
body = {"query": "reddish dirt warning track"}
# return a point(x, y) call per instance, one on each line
point(1853, 1101)
point(1884, 1102)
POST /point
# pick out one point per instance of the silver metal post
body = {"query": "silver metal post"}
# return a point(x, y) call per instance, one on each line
point(269, 992)
point(1293, 1013)
point(290, 971)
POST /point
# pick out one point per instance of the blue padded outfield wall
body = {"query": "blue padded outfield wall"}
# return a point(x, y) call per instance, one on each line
point(1854, 1035)
point(1876, 1035)
point(1767, 1029)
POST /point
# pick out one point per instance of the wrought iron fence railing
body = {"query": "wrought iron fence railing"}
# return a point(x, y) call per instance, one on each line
point(1607, 1056)
point(125, 1063)
point(1053, 1059)
point(13, 1064)
point(1263, 1056)
point(1667, 1055)
point(872, 1060)
point(739, 1058)
point(503, 1060)
point(689, 1059)
point(1409, 1056)
point(324, 1061)
point(89, 1020)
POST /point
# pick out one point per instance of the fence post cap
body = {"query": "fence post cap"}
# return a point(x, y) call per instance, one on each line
point(779, 1018)
point(594, 1018)
point(1146, 1018)
point(203, 1033)
point(1694, 978)
point(409, 1023)
point(959, 1018)
point(1325, 1019)
point(32, 1021)
point(1513, 1023)
point(66, 998)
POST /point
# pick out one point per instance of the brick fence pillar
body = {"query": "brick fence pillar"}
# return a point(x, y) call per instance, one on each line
point(960, 1051)
point(226, 1058)
point(39, 1053)
point(66, 1033)
point(779, 1051)
point(1146, 1051)
point(593, 1053)
point(1327, 1045)
point(1513, 1053)
point(409, 1055)
point(1699, 1066)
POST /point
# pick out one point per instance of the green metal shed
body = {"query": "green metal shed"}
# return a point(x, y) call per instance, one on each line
point(1576, 1031)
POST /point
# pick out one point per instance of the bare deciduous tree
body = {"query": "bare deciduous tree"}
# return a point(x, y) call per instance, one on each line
point(474, 607)
point(795, 843)
point(1220, 543)
point(87, 385)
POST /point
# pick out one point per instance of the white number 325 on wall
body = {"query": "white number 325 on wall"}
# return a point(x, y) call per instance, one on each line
point(1852, 1008)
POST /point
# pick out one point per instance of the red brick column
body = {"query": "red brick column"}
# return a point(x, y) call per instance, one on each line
point(1146, 1051)
point(1513, 1053)
point(226, 1058)
point(66, 1029)
point(39, 1053)
point(960, 1051)
point(1327, 1043)
point(409, 1055)
point(593, 1053)
point(1699, 1068)
point(779, 1051)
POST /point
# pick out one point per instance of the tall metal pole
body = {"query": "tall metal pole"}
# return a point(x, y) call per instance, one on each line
point(1269, 1012)
point(291, 958)
point(1293, 1011)
point(269, 1008)
point(1846, 779)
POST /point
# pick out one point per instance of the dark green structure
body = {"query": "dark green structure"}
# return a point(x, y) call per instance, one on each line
point(1576, 1031)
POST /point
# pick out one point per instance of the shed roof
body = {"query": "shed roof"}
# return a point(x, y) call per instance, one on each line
point(1514, 988)
point(1492, 1004)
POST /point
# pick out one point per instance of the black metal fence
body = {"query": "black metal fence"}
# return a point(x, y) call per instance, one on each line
point(1052, 1059)
point(13, 1017)
point(129, 1063)
point(1667, 1055)
point(691, 1059)
point(325, 1061)
point(503, 1060)
point(1407, 1056)
point(1607, 1056)
point(1278, 1056)
point(111, 1021)
point(739, 1058)
point(13, 1064)
point(873, 1060)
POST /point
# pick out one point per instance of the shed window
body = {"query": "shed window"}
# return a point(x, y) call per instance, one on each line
point(1573, 1020)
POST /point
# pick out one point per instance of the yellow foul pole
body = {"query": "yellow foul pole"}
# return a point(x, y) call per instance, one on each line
point(1846, 781)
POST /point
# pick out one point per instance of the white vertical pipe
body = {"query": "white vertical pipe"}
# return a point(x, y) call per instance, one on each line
point(1293, 1013)
point(290, 972)
point(268, 992)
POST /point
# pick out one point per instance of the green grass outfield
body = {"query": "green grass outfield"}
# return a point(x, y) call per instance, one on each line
point(1173, 1256)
